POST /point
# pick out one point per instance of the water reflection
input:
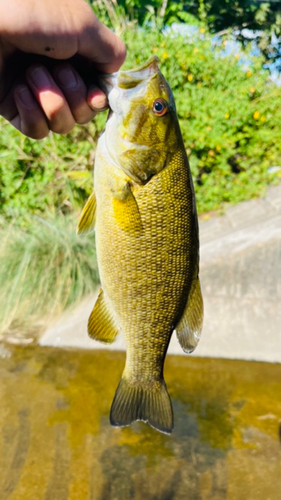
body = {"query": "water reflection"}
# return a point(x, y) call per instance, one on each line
point(56, 442)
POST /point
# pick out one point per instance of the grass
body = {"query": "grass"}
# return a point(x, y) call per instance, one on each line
point(43, 269)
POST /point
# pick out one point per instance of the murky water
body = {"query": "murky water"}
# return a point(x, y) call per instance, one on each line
point(56, 442)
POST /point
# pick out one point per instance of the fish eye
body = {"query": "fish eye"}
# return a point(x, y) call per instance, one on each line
point(160, 107)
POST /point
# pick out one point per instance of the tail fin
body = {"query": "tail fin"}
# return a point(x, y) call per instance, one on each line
point(135, 402)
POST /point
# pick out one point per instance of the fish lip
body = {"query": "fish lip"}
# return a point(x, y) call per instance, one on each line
point(152, 63)
point(129, 79)
point(132, 78)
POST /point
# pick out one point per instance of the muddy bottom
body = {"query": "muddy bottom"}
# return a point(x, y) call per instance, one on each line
point(56, 442)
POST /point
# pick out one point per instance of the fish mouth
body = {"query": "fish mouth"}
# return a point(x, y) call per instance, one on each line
point(133, 77)
point(124, 86)
point(130, 79)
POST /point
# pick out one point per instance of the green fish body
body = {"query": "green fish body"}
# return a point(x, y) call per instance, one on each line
point(144, 212)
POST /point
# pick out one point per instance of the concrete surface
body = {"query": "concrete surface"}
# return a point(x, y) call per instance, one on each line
point(241, 282)
point(56, 442)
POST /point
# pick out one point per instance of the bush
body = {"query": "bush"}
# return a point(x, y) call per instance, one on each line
point(52, 176)
point(229, 116)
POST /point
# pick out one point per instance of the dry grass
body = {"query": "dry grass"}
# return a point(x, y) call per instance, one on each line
point(43, 269)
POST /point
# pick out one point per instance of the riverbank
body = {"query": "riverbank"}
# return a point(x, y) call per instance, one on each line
point(241, 281)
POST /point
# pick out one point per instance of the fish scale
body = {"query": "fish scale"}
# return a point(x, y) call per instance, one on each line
point(147, 245)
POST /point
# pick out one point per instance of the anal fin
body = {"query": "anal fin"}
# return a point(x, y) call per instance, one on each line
point(102, 325)
point(189, 327)
point(88, 216)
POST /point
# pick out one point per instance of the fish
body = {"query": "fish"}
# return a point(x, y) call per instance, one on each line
point(143, 211)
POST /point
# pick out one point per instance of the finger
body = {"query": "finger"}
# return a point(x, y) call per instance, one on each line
point(8, 108)
point(51, 99)
point(97, 99)
point(101, 46)
point(75, 92)
point(30, 119)
point(60, 31)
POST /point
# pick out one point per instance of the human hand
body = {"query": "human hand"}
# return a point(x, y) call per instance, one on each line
point(45, 47)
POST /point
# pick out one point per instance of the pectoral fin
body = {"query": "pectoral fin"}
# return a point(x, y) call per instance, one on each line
point(189, 327)
point(102, 325)
point(126, 210)
point(88, 216)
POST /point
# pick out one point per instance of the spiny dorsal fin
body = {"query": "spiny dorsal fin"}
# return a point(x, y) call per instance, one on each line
point(88, 216)
point(101, 325)
point(190, 325)
point(138, 402)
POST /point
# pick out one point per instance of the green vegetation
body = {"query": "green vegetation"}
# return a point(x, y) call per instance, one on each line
point(230, 119)
point(43, 269)
point(49, 177)
point(218, 16)
point(230, 114)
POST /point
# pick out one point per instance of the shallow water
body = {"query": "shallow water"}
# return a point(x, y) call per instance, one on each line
point(56, 442)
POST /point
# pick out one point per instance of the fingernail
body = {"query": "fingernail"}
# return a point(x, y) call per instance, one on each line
point(25, 97)
point(97, 100)
point(67, 78)
point(40, 78)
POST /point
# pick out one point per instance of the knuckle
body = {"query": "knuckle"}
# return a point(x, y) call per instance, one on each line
point(39, 135)
point(85, 120)
point(84, 117)
point(34, 126)
point(57, 109)
point(62, 128)
point(60, 117)
point(35, 132)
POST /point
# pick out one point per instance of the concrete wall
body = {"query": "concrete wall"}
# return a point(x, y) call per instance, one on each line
point(240, 273)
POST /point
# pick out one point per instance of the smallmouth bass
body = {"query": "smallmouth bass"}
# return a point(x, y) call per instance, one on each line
point(144, 213)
